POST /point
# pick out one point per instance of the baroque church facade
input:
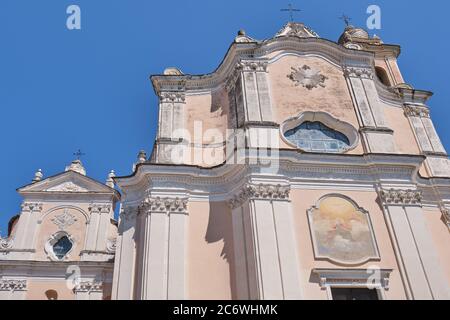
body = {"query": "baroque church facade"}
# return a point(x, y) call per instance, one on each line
point(301, 168)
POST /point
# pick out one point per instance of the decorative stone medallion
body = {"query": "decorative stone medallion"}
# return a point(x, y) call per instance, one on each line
point(307, 77)
point(64, 220)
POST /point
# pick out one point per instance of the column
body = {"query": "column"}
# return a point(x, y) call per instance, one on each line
point(162, 249)
point(417, 255)
point(266, 258)
point(124, 265)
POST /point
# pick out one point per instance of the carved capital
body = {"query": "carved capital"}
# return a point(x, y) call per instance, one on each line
point(403, 197)
point(259, 191)
point(446, 215)
point(99, 208)
point(31, 207)
point(172, 97)
point(111, 245)
point(13, 285)
point(416, 111)
point(6, 244)
point(89, 286)
point(252, 65)
point(164, 205)
point(358, 72)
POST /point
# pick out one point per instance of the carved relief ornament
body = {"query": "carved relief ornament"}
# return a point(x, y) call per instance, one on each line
point(172, 97)
point(13, 285)
point(6, 244)
point(158, 204)
point(252, 65)
point(416, 111)
point(259, 191)
point(358, 72)
point(404, 197)
point(307, 77)
point(100, 208)
point(31, 207)
point(64, 220)
point(89, 286)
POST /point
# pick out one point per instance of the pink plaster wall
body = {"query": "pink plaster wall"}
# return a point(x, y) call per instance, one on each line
point(210, 251)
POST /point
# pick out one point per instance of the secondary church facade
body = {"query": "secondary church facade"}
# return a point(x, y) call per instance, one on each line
point(301, 168)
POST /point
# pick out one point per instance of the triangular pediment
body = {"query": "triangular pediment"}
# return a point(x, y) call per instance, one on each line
point(67, 182)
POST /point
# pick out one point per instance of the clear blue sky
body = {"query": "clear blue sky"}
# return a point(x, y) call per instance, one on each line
point(61, 90)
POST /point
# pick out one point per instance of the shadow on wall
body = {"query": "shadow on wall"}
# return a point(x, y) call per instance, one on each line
point(220, 229)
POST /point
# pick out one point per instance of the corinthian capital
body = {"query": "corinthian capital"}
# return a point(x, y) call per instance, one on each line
point(177, 97)
point(404, 197)
point(260, 191)
point(358, 72)
point(416, 111)
point(252, 65)
point(166, 205)
point(99, 208)
point(31, 207)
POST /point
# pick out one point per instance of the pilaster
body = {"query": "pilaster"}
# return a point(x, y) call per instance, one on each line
point(417, 255)
point(266, 261)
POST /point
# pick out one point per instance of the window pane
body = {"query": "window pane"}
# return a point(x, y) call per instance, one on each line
point(317, 137)
point(62, 247)
point(354, 294)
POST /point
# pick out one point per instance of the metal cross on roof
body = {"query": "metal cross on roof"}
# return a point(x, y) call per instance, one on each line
point(79, 154)
point(291, 11)
point(346, 19)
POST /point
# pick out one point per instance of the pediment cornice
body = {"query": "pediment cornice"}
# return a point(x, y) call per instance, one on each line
point(330, 50)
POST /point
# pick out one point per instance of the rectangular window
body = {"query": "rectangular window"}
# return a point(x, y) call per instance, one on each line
point(354, 294)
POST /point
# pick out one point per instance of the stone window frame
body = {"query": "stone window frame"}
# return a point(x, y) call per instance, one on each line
point(352, 279)
point(54, 238)
point(326, 119)
point(376, 257)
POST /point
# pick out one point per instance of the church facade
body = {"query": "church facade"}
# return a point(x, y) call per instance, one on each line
point(301, 168)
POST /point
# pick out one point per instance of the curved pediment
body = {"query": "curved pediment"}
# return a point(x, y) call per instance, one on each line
point(263, 51)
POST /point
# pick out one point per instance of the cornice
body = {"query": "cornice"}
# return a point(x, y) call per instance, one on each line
point(252, 56)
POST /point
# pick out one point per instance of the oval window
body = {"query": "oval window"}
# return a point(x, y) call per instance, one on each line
point(62, 247)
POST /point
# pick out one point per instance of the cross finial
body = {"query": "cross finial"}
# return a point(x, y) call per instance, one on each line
point(291, 11)
point(346, 19)
point(79, 154)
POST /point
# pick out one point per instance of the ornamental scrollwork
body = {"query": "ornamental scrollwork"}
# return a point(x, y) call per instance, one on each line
point(6, 243)
point(89, 286)
point(13, 285)
point(405, 197)
point(252, 65)
point(111, 245)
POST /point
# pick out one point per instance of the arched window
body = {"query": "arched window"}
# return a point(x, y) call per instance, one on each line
point(383, 76)
point(317, 137)
point(51, 295)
